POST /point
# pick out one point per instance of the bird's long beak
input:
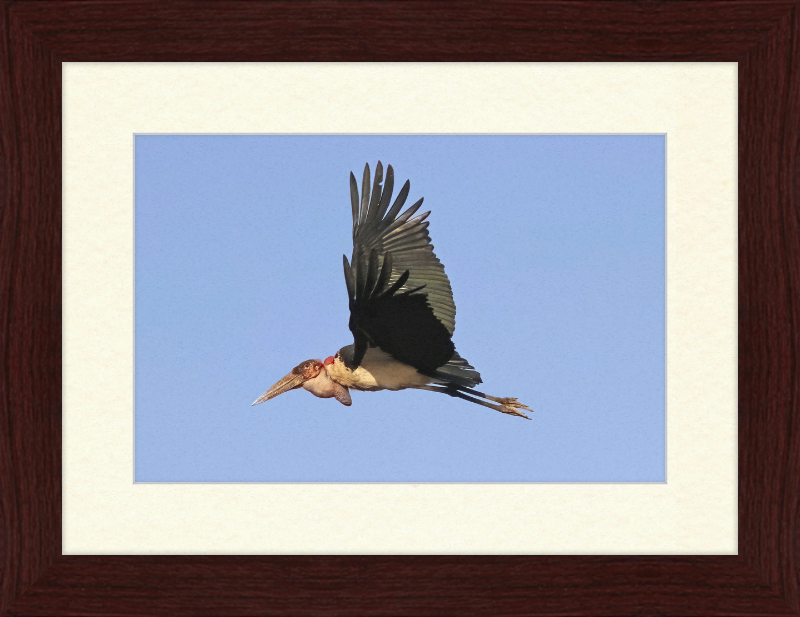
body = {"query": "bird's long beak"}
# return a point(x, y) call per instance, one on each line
point(291, 381)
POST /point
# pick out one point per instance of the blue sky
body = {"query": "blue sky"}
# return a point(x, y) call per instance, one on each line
point(554, 246)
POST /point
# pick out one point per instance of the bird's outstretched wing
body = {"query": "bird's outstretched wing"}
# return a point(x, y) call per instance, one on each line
point(400, 296)
point(405, 237)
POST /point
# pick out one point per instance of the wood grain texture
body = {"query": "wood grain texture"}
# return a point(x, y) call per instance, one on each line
point(764, 37)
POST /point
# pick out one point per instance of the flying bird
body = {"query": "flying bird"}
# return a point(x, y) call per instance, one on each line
point(402, 313)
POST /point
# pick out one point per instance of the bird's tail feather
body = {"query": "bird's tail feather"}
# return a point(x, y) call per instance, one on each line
point(458, 371)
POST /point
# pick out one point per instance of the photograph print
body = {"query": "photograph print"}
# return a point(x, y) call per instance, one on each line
point(297, 296)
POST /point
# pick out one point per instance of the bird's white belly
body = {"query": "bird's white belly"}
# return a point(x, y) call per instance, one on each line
point(379, 371)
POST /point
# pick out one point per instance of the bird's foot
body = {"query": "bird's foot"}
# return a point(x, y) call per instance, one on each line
point(511, 406)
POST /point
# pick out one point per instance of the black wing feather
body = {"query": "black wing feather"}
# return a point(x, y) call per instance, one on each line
point(386, 197)
point(362, 215)
point(354, 199)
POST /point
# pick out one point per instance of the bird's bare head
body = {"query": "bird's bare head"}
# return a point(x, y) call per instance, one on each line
point(299, 375)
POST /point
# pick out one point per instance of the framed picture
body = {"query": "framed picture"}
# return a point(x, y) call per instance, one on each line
point(41, 580)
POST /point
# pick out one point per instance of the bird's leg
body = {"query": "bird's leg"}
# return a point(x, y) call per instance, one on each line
point(451, 390)
point(506, 401)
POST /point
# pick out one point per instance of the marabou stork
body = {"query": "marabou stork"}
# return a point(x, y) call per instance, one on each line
point(402, 313)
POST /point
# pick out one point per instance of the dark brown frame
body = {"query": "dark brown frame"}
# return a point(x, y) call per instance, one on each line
point(763, 37)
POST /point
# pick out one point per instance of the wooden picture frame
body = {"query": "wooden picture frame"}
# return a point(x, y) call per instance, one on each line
point(763, 37)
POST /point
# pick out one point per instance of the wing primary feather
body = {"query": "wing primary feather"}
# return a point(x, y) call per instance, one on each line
point(364, 195)
point(376, 193)
point(386, 272)
point(404, 217)
point(372, 274)
point(354, 201)
point(398, 203)
point(386, 196)
point(348, 279)
point(398, 284)
point(360, 266)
